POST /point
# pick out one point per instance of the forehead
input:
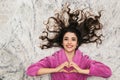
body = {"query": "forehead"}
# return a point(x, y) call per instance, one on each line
point(70, 34)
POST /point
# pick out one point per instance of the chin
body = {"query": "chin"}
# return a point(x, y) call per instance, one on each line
point(69, 50)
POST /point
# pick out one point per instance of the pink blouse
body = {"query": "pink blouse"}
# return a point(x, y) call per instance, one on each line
point(83, 61)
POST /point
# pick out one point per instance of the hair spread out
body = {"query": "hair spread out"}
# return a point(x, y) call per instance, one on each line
point(85, 22)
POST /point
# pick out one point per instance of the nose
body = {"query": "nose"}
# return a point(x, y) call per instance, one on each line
point(69, 41)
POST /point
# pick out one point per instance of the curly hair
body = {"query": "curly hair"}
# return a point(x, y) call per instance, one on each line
point(83, 23)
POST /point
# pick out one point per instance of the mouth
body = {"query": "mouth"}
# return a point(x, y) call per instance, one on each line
point(69, 46)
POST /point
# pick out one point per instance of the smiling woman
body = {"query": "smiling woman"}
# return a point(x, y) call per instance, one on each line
point(70, 42)
point(69, 63)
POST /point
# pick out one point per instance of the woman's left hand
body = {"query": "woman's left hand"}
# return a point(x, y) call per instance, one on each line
point(78, 69)
point(75, 66)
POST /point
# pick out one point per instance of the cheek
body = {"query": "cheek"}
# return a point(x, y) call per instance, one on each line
point(75, 44)
point(64, 43)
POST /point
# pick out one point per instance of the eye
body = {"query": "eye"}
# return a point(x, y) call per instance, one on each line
point(65, 38)
point(74, 39)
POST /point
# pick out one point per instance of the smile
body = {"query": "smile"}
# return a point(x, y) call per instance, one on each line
point(69, 46)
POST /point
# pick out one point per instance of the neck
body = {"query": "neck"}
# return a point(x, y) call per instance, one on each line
point(70, 55)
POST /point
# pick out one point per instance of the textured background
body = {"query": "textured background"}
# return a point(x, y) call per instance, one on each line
point(21, 23)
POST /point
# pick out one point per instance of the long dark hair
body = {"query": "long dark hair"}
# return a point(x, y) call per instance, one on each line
point(83, 23)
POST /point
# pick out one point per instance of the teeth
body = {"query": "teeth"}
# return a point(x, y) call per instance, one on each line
point(69, 46)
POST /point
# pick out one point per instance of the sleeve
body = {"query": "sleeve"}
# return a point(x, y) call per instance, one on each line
point(97, 68)
point(47, 62)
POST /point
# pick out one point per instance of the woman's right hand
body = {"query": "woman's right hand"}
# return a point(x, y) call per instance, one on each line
point(60, 68)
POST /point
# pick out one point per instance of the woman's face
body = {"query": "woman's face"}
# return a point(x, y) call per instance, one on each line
point(70, 42)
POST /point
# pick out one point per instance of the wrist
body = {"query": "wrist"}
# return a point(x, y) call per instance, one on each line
point(84, 71)
point(56, 69)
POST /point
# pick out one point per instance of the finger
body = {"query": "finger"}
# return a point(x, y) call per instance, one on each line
point(73, 71)
point(73, 64)
point(66, 64)
point(76, 67)
point(63, 70)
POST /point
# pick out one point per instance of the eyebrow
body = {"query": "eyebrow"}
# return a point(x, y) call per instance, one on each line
point(67, 37)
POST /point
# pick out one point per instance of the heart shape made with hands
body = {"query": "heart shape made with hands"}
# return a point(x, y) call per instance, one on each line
point(68, 69)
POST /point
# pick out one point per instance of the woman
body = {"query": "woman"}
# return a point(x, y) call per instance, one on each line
point(69, 63)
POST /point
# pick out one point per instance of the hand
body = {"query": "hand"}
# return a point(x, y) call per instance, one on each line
point(78, 69)
point(75, 66)
point(60, 68)
point(63, 70)
point(74, 70)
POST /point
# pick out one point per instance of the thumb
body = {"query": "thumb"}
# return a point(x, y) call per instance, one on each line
point(73, 70)
point(63, 70)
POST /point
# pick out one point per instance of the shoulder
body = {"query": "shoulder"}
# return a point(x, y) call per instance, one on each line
point(80, 53)
point(58, 53)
